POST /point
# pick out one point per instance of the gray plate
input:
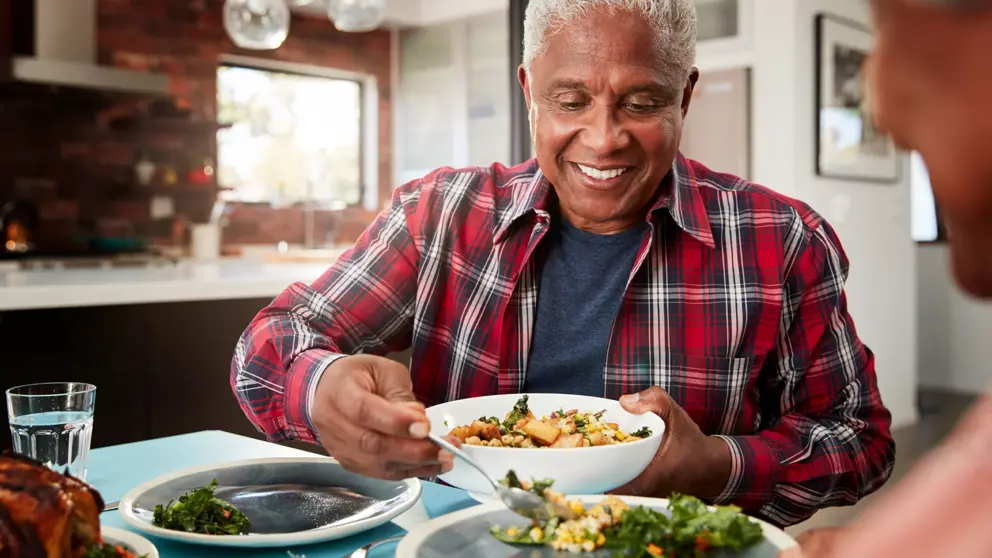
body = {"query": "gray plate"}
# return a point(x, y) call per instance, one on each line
point(466, 533)
point(288, 500)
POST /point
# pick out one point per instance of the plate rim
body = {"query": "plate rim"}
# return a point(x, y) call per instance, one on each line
point(323, 534)
point(136, 541)
point(416, 536)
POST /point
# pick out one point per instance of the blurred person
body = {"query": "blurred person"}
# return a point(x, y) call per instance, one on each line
point(930, 82)
point(609, 265)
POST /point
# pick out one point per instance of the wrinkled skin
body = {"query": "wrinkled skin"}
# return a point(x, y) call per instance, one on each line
point(599, 96)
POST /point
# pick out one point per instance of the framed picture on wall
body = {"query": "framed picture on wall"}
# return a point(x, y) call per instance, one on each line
point(848, 145)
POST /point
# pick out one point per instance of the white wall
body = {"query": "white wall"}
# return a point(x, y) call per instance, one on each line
point(955, 330)
point(873, 221)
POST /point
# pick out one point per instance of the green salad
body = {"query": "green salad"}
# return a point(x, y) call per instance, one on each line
point(690, 529)
point(199, 511)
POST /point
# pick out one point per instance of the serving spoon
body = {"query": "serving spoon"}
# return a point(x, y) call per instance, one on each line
point(520, 501)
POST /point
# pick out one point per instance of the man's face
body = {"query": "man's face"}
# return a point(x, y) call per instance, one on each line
point(606, 122)
point(930, 87)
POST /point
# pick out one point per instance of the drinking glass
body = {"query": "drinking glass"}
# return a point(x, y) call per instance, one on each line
point(53, 423)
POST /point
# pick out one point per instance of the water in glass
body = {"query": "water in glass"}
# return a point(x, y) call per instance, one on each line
point(53, 423)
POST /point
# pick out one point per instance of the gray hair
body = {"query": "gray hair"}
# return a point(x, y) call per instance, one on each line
point(673, 22)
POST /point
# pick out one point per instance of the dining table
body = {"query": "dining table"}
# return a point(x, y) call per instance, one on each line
point(114, 470)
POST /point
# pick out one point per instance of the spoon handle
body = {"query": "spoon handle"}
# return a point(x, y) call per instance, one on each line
point(448, 446)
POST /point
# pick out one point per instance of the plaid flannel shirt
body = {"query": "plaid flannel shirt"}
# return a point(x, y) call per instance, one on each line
point(735, 306)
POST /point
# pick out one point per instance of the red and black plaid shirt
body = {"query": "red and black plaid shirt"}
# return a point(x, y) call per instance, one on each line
point(735, 306)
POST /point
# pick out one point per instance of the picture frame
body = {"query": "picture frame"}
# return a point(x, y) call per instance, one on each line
point(848, 145)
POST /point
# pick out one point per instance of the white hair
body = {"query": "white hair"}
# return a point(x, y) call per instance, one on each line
point(673, 22)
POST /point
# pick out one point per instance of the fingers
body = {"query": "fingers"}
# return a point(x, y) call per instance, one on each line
point(791, 553)
point(360, 405)
point(653, 399)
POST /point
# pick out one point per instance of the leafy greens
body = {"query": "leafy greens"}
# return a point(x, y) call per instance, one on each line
point(199, 511)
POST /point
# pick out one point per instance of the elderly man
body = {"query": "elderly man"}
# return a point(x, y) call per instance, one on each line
point(611, 266)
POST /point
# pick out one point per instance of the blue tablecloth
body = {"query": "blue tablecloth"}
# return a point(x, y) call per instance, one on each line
point(115, 470)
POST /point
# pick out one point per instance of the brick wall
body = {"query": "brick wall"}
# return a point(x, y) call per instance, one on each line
point(60, 147)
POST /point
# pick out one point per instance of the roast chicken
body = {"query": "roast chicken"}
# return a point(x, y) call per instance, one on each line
point(45, 514)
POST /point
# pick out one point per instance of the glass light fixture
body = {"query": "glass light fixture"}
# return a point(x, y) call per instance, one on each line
point(356, 16)
point(256, 24)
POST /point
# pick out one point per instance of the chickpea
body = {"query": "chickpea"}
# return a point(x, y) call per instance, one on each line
point(495, 443)
point(473, 441)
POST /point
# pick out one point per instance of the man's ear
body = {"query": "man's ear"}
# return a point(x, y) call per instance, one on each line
point(690, 86)
point(524, 84)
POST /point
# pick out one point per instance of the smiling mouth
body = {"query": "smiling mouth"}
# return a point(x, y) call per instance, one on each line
point(601, 174)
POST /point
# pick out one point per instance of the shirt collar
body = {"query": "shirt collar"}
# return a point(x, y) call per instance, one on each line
point(528, 193)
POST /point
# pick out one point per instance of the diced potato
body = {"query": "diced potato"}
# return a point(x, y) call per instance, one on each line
point(460, 432)
point(520, 423)
point(613, 425)
point(476, 427)
point(530, 415)
point(569, 441)
point(597, 439)
point(542, 433)
point(632, 439)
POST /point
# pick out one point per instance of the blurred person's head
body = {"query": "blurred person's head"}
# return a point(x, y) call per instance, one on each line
point(930, 86)
point(607, 84)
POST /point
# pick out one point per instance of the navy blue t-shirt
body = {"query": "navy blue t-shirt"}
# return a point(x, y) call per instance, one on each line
point(581, 287)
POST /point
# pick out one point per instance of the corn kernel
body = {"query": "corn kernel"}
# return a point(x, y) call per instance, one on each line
point(576, 507)
point(513, 531)
point(621, 435)
point(536, 533)
point(601, 540)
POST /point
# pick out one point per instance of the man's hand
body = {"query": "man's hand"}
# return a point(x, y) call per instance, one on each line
point(368, 419)
point(815, 543)
point(688, 461)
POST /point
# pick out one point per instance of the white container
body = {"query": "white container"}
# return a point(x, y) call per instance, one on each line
point(205, 242)
point(587, 470)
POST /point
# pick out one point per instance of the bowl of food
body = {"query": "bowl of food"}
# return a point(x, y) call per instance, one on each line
point(589, 445)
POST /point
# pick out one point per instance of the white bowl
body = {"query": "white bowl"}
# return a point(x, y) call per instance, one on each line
point(587, 470)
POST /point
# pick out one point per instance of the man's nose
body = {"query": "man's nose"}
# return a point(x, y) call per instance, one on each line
point(604, 131)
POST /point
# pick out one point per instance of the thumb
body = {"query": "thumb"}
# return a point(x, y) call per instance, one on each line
point(392, 381)
point(653, 399)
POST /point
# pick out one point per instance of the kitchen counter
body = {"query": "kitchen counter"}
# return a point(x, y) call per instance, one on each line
point(184, 282)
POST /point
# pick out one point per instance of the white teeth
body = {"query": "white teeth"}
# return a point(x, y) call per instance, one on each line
point(600, 174)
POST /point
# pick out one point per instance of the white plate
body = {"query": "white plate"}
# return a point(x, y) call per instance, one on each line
point(592, 470)
point(290, 501)
point(466, 533)
point(135, 542)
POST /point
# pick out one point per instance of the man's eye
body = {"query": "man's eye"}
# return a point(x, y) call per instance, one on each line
point(640, 107)
point(571, 105)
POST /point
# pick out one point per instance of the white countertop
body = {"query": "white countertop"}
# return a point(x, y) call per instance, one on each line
point(188, 281)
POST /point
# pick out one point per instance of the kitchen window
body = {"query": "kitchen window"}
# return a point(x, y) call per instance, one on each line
point(291, 136)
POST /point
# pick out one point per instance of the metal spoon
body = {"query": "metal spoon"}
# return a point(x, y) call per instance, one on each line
point(521, 502)
point(364, 551)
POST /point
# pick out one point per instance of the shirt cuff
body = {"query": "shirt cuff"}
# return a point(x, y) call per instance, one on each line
point(301, 384)
point(755, 467)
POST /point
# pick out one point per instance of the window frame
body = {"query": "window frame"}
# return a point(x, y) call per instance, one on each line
point(368, 149)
